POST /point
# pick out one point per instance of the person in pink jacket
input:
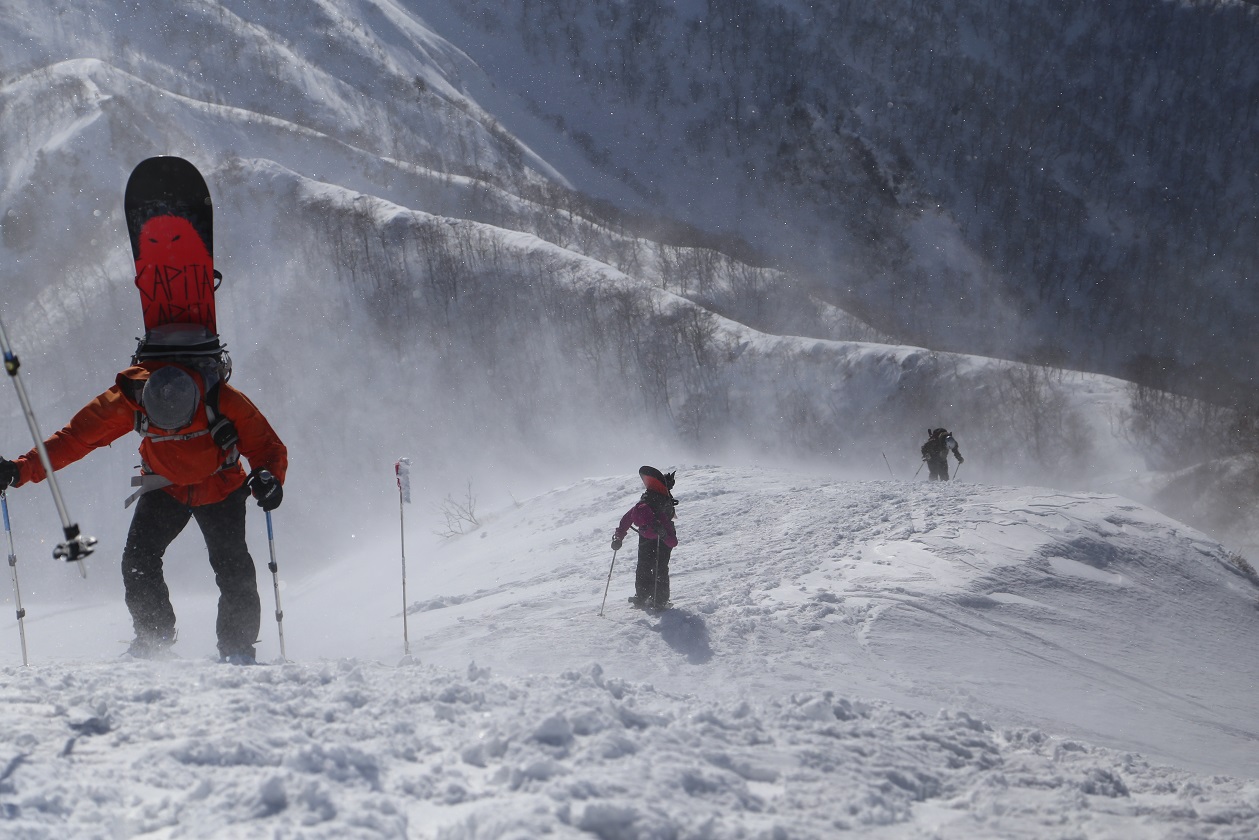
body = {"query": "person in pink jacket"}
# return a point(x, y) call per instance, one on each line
point(652, 518)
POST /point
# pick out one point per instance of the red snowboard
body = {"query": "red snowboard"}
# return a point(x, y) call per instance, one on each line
point(170, 221)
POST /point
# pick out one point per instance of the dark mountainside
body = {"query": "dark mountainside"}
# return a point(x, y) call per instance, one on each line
point(1064, 182)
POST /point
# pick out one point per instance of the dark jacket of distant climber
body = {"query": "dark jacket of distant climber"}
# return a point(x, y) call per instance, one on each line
point(936, 453)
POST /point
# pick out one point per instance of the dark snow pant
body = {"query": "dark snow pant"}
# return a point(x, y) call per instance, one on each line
point(652, 577)
point(158, 519)
point(938, 468)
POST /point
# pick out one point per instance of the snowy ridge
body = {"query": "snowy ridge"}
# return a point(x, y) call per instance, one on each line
point(922, 594)
point(901, 660)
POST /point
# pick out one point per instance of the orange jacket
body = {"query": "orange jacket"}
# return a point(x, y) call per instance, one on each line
point(195, 466)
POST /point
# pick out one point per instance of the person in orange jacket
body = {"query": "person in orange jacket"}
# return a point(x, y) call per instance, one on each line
point(193, 440)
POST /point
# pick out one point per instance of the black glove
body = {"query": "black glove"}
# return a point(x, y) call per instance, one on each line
point(266, 489)
point(616, 543)
point(961, 460)
point(8, 474)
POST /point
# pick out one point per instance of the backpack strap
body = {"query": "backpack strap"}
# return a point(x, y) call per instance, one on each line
point(146, 481)
point(221, 428)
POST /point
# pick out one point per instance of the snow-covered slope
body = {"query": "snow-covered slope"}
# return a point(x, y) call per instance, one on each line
point(901, 660)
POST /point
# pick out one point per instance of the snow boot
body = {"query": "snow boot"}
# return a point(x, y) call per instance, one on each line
point(151, 647)
point(238, 656)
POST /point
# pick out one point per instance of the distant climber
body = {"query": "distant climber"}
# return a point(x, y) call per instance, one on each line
point(936, 453)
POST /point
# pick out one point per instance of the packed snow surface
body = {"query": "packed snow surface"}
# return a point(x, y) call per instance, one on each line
point(882, 659)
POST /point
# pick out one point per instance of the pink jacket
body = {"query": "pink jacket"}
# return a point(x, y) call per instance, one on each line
point(649, 525)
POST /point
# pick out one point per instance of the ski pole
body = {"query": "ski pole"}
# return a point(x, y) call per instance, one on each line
point(655, 591)
point(76, 546)
point(402, 469)
point(958, 470)
point(17, 592)
point(402, 539)
point(275, 584)
point(889, 466)
point(920, 466)
point(608, 585)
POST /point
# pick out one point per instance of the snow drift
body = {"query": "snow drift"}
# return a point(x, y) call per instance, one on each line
point(878, 657)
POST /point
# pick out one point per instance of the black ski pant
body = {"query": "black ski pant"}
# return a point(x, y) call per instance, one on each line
point(938, 469)
point(158, 519)
point(652, 577)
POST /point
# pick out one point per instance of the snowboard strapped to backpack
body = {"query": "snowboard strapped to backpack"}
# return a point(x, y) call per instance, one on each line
point(170, 222)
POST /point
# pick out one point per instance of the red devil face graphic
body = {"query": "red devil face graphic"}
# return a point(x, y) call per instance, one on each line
point(175, 274)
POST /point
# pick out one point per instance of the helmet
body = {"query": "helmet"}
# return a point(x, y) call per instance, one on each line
point(170, 397)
